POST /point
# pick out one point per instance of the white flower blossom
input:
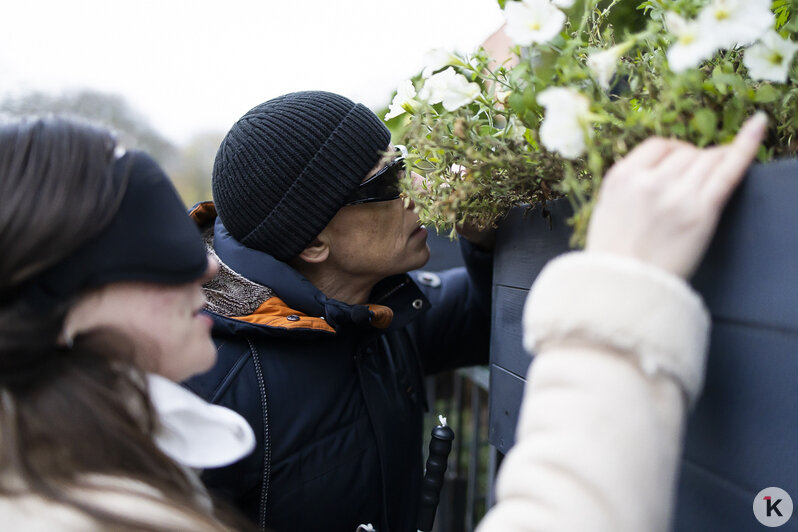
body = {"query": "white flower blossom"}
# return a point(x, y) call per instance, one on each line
point(515, 130)
point(771, 58)
point(563, 129)
point(736, 22)
point(694, 43)
point(403, 99)
point(460, 92)
point(434, 87)
point(563, 4)
point(458, 170)
point(721, 24)
point(604, 64)
point(532, 21)
point(436, 59)
point(451, 88)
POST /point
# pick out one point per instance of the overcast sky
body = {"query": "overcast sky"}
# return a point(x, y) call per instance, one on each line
point(196, 65)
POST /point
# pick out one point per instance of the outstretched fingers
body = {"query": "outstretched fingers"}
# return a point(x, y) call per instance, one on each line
point(648, 154)
point(737, 157)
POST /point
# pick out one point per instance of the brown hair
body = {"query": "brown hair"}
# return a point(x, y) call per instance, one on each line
point(68, 415)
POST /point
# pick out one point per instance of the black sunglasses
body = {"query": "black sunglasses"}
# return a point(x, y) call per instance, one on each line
point(382, 186)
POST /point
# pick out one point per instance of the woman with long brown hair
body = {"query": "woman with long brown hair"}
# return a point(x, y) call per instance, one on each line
point(100, 298)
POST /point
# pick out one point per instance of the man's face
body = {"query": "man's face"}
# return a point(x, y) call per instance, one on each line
point(377, 239)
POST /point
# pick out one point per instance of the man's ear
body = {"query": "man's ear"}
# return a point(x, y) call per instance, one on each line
point(316, 252)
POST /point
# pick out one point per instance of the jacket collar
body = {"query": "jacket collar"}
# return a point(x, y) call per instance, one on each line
point(398, 293)
point(289, 285)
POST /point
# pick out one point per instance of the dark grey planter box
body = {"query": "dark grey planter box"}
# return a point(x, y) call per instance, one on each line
point(743, 435)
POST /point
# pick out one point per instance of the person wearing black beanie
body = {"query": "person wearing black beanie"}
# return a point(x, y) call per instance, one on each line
point(323, 338)
point(284, 169)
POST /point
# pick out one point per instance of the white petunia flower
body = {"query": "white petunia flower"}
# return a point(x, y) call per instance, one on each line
point(459, 92)
point(694, 43)
point(458, 170)
point(452, 89)
point(563, 4)
point(403, 99)
point(771, 58)
point(434, 87)
point(532, 21)
point(604, 64)
point(436, 59)
point(515, 130)
point(564, 128)
point(736, 22)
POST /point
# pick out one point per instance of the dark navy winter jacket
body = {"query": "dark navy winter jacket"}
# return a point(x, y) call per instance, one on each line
point(334, 392)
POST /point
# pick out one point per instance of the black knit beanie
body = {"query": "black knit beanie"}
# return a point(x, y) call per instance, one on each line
point(284, 169)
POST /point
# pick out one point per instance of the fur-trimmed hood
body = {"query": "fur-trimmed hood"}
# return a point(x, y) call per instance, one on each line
point(254, 287)
point(228, 294)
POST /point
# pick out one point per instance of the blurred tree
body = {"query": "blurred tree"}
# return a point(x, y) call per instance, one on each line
point(191, 171)
point(109, 110)
point(189, 166)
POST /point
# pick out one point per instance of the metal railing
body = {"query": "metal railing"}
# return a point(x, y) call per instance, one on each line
point(462, 396)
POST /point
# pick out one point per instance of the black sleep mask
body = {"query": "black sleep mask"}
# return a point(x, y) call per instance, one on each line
point(149, 239)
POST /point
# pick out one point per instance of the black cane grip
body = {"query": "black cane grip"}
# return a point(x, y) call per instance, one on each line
point(439, 447)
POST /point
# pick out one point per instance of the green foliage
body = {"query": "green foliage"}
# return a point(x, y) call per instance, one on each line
point(783, 10)
point(485, 157)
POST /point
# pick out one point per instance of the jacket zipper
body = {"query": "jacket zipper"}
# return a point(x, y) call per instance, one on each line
point(380, 453)
point(267, 448)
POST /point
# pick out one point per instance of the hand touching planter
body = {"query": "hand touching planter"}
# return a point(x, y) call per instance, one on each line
point(661, 203)
point(620, 347)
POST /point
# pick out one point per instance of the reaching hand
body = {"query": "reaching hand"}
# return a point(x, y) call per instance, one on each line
point(660, 204)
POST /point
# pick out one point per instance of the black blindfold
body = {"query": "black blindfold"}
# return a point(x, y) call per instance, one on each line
point(149, 239)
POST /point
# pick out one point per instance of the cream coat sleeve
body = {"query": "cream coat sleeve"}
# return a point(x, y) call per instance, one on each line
point(120, 496)
point(620, 349)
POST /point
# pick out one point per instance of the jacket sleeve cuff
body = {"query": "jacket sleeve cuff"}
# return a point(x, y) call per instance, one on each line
point(626, 305)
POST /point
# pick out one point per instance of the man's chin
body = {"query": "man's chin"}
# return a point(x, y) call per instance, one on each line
point(423, 257)
point(416, 259)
